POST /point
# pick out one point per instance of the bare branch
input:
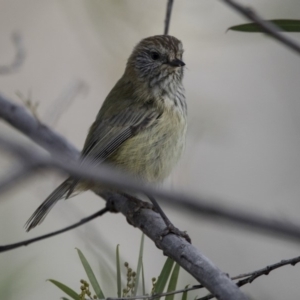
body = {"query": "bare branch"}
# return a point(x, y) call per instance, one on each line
point(185, 254)
point(42, 237)
point(148, 224)
point(19, 56)
point(268, 27)
point(151, 223)
point(265, 271)
point(251, 276)
point(168, 16)
point(121, 201)
point(19, 118)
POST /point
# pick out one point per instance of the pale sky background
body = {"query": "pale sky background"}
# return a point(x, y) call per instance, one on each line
point(242, 148)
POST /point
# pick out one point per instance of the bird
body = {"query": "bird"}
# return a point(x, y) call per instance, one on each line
point(141, 125)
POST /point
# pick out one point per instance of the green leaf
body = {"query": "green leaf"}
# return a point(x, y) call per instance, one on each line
point(119, 284)
point(164, 276)
point(139, 265)
point(65, 289)
point(173, 282)
point(184, 294)
point(143, 280)
point(91, 276)
point(283, 24)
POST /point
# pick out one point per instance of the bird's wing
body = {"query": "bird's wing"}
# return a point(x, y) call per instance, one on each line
point(106, 135)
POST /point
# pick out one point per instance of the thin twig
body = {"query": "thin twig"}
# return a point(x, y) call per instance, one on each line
point(51, 234)
point(192, 288)
point(265, 271)
point(168, 16)
point(251, 276)
point(19, 56)
point(268, 27)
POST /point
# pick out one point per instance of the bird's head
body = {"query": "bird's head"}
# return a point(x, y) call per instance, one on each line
point(157, 61)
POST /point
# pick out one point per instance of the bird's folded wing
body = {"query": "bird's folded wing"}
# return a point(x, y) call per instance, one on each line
point(107, 135)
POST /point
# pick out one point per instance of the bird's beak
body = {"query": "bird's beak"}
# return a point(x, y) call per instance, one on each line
point(176, 63)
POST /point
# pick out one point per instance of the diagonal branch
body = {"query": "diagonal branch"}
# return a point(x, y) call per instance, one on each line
point(168, 16)
point(152, 225)
point(51, 234)
point(187, 256)
point(141, 219)
point(251, 276)
point(18, 117)
point(268, 27)
point(52, 142)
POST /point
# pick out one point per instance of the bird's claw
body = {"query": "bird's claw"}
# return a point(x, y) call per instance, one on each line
point(171, 229)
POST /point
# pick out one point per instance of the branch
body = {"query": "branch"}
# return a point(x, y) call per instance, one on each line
point(182, 252)
point(18, 117)
point(155, 296)
point(144, 221)
point(168, 16)
point(268, 27)
point(251, 276)
point(151, 223)
point(125, 206)
point(28, 157)
point(51, 234)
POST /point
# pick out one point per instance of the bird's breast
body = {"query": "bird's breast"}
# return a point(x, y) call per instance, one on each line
point(152, 153)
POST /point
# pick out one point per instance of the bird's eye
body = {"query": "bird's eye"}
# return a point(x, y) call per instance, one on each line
point(154, 55)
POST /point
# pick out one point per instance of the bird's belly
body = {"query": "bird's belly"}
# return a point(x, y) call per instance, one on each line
point(152, 153)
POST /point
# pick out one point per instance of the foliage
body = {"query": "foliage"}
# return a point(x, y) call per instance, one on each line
point(285, 25)
point(169, 273)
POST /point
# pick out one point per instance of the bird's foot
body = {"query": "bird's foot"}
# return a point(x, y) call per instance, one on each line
point(171, 229)
point(135, 206)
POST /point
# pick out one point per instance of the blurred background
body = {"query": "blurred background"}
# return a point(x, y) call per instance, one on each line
point(242, 148)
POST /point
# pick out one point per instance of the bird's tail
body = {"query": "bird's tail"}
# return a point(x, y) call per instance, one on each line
point(41, 212)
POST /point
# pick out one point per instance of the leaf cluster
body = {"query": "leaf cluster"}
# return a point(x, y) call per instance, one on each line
point(135, 280)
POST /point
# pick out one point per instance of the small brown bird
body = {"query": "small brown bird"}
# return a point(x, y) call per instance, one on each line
point(141, 125)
